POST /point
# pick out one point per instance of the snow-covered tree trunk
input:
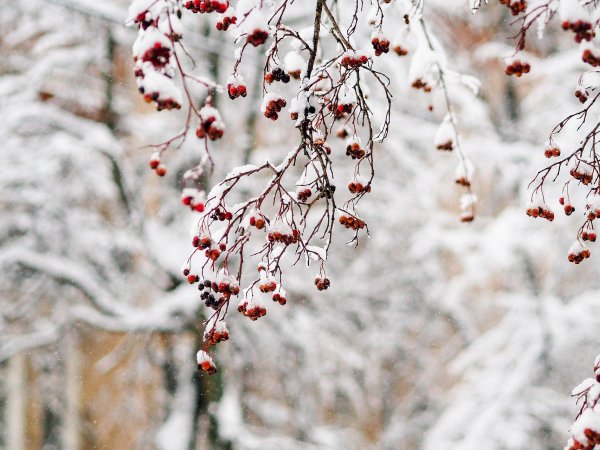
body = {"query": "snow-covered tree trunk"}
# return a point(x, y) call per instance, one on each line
point(16, 403)
point(71, 418)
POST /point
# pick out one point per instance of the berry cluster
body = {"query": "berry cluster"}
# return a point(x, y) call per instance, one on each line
point(354, 150)
point(221, 214)
point(356, 187)
point(400, 51)
point(581, 95)
point(142, 18)
point(155, 82)
point(419, 83)
point(589, 236)
point(252, 309)
point(277, 74)
point(201, 243)
point(593, 439)
point(159, 169)
point(569, 209)
point(284, 237)
point(192, 197)
point(229, 18)
point(540, 210)
point(593, 208)
point(154, 96)
point(466, 216)
point(328, 191)
point(303, 195)
point(267, 286)
point(279, 298)
point(462, 180)
point(217, 333)
point(516, 6)
point(226, 286)
point(205, 363)
point(153, 52)
point(577, 253)
point(352, 60)
point(581, 171)
point(257, 221)
point(321, 145)
point(380, 45)
point(322, 283)
point(583, 30)
point(589, 58)
point(212, 250)
point(341, 110)
point(206, 6)
point(257, 37)
point(552, 152)
point(585, 431)
point(272, 105)
point(158, 53)
point(190, 276)
point(447, 146)
point(210, 300)
point(353, 223)
point(517, 68)
point(236, 89)
point(211, 125)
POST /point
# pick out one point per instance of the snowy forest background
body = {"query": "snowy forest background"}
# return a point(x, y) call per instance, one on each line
point(435, 334)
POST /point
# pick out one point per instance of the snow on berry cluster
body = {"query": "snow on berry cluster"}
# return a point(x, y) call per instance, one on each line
point(236, 87)
point(272, 105)
point(380, 43)
point(205, 362)
point(540, 209)
point(211, 125)
point(354, 149)
point(152, 52)
point(585, 431)
point(353, 59)
point(228, 19)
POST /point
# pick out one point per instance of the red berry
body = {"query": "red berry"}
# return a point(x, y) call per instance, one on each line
point(161, 170)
